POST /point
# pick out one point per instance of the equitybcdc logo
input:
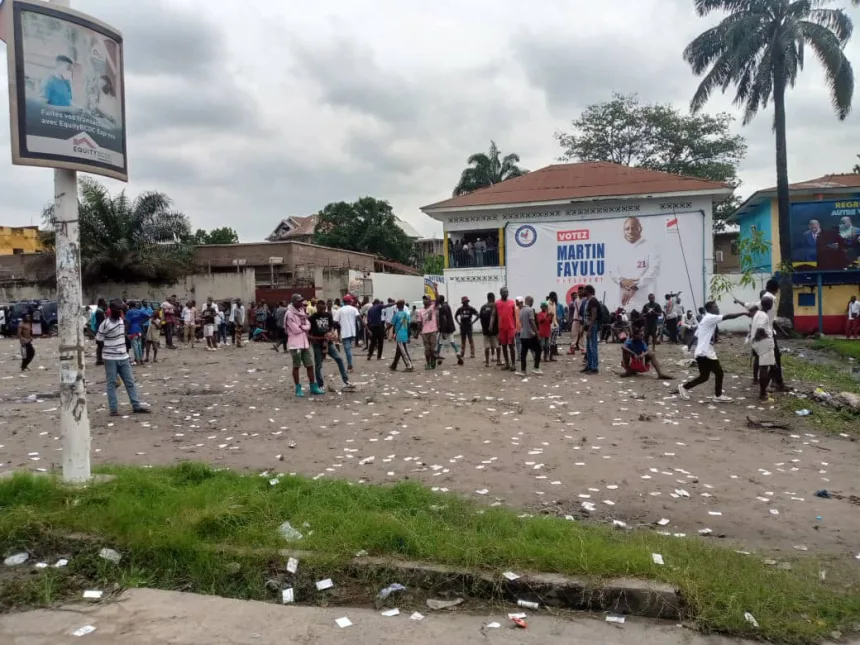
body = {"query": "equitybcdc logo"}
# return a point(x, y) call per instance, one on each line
point(526, 236)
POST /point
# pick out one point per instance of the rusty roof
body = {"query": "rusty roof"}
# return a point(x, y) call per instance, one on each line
point(834, 184)
point(580, 181)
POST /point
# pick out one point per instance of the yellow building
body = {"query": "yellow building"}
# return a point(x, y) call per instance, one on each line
point(19, 239)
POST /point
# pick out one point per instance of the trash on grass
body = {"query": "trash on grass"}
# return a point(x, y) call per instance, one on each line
point(110, 555)
point(751, 619)
point(803, 413)
point(616, 619)
point(658, 559)
point(92, 594)
point(16, 559)
point(322, 585)
point(288, 532)
point(292, 565)
point(388, 613)
point(390, 589)
point(510, 575)
point(83, 631)
point(528, 604)
point(288, 596)
point(438, 605)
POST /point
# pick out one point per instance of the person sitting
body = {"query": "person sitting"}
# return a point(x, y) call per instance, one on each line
point(637, 358)
point(620, 326)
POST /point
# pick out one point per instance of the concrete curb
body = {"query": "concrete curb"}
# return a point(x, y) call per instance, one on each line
point(618, 595)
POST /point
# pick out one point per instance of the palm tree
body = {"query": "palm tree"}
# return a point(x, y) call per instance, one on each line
point(125, 240)
point(486, 170)
point(759, 48)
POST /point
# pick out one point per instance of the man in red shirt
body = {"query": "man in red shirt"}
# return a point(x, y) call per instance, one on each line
point(506, 314)
point(544, 323)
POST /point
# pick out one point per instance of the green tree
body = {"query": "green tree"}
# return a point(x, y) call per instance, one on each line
point(759, 48)
point(488, 169)
point(433, 265)
point(367, 225)
point(658, 137)
point(126, 240)
point(752, 250)
point(225, 235)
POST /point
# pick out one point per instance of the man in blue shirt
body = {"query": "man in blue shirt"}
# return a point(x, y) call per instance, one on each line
point(400, 323)
point(637, 358)
point(134, 319)
point(57, 87)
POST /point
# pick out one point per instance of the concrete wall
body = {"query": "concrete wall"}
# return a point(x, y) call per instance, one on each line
point(746, 294)
point(295, 255)
point(475, 284)
point(390, 285)
point(198, 287)
point(23, 239)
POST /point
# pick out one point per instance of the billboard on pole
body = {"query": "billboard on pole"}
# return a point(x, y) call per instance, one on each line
point(66, 90)
point(625, 259)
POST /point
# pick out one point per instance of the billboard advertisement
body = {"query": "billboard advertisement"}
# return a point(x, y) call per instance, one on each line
point(826, 235)
point(66, 90)
point(625, 259)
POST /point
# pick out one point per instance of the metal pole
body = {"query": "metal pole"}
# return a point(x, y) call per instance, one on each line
point(74, 420)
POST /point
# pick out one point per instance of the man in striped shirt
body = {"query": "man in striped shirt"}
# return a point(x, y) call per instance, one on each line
point(115, 355)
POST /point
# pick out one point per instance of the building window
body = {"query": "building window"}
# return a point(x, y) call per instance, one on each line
point(734, 247)
point(473, 249)
point(719, 255)
point(806, 299)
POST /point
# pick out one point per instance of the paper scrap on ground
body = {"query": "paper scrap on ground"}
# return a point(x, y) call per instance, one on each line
point(110, 555)
point(343, 622)
point(388, 613)
point(615, 619)
point(443, 604)
point(390, 589)
point(510, 575)
point(658, 559)
point(322, 585)
point(83, 631)
point(493, 626)
point(416, 616)
point(16, 559)
point(750, 619)
point(292, 565)
point(288, 532)
point(93, 594)
point(288, 596)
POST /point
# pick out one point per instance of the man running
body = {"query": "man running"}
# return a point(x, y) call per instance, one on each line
point(465, 317)
point(400, 323)
point(706, 356)
point(506, 316)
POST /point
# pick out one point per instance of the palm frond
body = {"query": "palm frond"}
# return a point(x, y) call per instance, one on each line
point(837, 68)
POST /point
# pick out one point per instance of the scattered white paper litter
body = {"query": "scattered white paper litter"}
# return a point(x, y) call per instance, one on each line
point(519, 616)
point(751, 619)
point(92, 594)
point(322, 585)
point(615, 619)
point(292, 565)
point(61, 563)
point(493, 626)
point(663, 522)
point(416, 616)
point(83, 631)
point(110, 555)
point(510, 575)
point(288, 596)
point(658, 559)
point(16, 559)
point(388, 613)
point(343, 622)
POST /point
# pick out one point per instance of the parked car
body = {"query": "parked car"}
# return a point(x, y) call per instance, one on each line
point(20, 309)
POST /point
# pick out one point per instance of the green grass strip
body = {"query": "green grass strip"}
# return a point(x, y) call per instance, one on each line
point(173, 525)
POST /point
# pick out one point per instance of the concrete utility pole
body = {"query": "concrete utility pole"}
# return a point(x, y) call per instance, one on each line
point(74, 420)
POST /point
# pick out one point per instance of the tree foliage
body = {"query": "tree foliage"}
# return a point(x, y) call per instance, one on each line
point(658, 137)
point(488, 169)
point(125, 240)
point(759, 48)
point(224, 235)
point(433, 265)
point(751, 249)
point(367, 225)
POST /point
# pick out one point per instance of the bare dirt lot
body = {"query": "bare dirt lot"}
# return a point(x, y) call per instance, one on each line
point(551, 443)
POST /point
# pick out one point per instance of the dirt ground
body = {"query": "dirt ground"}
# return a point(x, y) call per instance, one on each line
point(549, 443)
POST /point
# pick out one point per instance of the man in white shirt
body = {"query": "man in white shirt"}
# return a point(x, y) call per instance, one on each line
point(761, 336)
point(637, 271)
point(706, 356)
point(237, 317)
point(347, 317)
point(853, 328)
point(771, 290)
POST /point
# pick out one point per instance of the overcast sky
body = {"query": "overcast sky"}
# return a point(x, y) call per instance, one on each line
point(246, 112)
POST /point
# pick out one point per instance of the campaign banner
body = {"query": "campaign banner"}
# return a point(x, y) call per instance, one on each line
point(67, 93)
point(625, 259)
point(825, 235)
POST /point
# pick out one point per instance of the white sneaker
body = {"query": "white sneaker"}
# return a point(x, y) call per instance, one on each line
point(723, 399)
point(537, 372)
point(683, 393)
point(519, 374)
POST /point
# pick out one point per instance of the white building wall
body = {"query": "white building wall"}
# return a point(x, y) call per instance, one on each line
point(474, 283)
point(390, 285)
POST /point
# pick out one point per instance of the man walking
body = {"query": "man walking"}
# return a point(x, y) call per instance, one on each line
point(115, 355)
point(506, 314)
point(853, 328)
point(706, 356)
point(298, 326)
point(429, 327)
point(322, 335)
point(376, 325)
point(446, 330)
point(529, 337)
point(465, 317)
point(347, 317)
point(400, 323)
point(490, 330)
point(652, 312)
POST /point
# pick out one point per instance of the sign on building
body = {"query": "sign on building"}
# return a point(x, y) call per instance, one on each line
point(625, 259)
point(66, 89)
point(825, 235)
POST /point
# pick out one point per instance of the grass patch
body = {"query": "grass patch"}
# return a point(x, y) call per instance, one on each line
point(831, 378)
point(192, 528)
point(840, 346)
